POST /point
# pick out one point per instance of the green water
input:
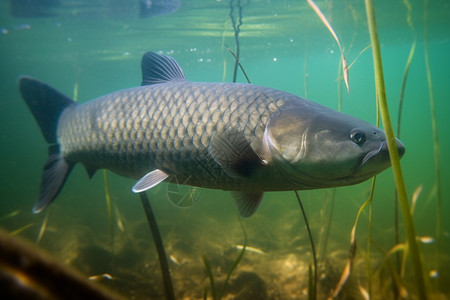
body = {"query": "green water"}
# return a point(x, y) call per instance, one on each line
point(283, 45)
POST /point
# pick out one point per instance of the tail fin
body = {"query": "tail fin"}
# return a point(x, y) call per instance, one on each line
point(46, 104)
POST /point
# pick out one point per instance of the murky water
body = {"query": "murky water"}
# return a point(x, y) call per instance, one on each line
point(89, 50)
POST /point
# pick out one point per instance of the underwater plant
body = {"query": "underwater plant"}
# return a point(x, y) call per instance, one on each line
point(395, 160)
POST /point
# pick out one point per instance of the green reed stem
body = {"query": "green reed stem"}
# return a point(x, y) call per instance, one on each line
point(437, 163)
point(236, 262)
point(211, 278)
point(109, 208)
point(369, 239)
point(312, 292)
point(393, 153)
point(402, 91)
point(168, 287)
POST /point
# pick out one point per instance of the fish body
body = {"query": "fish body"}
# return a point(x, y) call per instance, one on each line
point(150, 8)
point(244, 138)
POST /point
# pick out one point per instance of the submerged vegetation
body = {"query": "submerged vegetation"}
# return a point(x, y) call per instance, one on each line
point(204, 253)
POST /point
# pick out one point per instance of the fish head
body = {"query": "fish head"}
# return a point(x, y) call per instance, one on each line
point(317, 147)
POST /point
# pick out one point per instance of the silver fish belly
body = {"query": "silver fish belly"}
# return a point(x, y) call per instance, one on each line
point(239, 137)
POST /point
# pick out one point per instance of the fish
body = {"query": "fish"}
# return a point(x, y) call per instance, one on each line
point(237, 137)
point(150, 8)
point(33, 8)
point(250, 249)
point(92, 9)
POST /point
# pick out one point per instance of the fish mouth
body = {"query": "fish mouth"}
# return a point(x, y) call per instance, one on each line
point(373, 153)
point(382, 152)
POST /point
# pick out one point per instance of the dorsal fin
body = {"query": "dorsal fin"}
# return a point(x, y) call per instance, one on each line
point(159, 68)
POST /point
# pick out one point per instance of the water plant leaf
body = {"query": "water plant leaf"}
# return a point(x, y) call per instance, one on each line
point(236, 261)
point(354, 61)
point(239, 63)
point(397, 280)
point(327, 24)
point(415, 196)
point(43, 227)
point(210, 276)
point(393, 153)
point(403, 88)
point(348, 266)
point(313, 277)
point(23, 228)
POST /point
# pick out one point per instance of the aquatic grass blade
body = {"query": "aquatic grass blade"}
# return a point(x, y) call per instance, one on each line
point(327, 24)
point(236, 261)
point(43, 227)
point(21, 229)
point(399, 286)
point(311, 284)
point(349, 265)
point(437, 163)
point(211, 278)
point(167, 280)
point(313, 288)
point(109, 208)
point(237, 29)
point(238, 63)
point(327, 221)
point(230, 271)
point(369, 239)
point(403, 88)
point(393, 153)
point(353, 62)
point(415, 196)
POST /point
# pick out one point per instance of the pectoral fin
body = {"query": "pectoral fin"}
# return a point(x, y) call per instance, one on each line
point(233, 153)
point(149, 180)
point(247, 202)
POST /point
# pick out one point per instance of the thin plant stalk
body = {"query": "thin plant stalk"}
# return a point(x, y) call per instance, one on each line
point(393, 153)
point(211, 278)
point(237, 62)
point(398, 285)
point(399, 118)
point(339, 88)
point(349, 265)
point(43, 227)
point(109, 208)
point(331, 30)
point(403, 88)
point(312, 292)
point(369, 239)
point(437, 163)
point(237, 28)
point(236, 261)
point(167, 280)
point(328, 216)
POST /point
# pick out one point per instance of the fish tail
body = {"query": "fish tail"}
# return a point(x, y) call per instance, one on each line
point(47, 104)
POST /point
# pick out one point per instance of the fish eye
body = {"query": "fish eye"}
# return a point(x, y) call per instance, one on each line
point(358, 137)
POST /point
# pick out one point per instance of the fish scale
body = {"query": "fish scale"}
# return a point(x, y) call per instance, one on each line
point(153, 127)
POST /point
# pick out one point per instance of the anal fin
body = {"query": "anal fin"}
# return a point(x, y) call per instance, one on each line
point(56, 170)
point(247, 202)
point(149, 180)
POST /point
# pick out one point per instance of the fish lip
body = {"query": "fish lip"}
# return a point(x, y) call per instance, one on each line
point(372, 153)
